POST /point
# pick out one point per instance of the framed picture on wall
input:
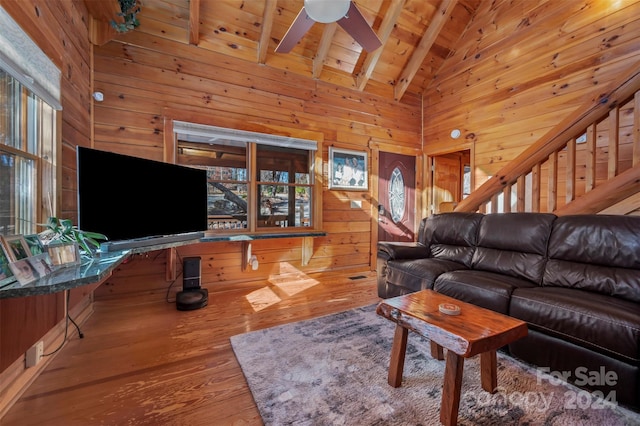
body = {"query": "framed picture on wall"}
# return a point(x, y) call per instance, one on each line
point(348, 169)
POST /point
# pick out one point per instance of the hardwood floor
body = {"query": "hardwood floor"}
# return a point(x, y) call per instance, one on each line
point(141, 361)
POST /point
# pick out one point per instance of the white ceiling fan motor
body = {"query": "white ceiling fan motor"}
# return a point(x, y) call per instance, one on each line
point(326, 11)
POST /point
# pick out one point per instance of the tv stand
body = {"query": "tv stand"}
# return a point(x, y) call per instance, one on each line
point(110, 246)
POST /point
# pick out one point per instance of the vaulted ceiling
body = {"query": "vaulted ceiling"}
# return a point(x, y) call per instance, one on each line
point(417, 36)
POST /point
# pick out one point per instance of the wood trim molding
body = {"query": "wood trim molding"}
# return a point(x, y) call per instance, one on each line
point(373, 212)
point(389, 147)
point(17, 378)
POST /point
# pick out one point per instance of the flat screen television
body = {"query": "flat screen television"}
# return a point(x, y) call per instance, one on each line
point(128, 198)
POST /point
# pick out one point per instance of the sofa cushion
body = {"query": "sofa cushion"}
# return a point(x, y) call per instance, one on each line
point(486, 289)
point(602, 323)
point(418, 274)
point(452, 236)
point(514, 244)
point(577, 258)
point(553, 354)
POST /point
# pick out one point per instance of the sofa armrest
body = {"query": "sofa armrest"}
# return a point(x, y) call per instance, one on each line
point(389, 250)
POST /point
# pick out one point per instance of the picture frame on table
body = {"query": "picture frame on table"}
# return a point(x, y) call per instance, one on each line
point(23, 271)
point(42, 264)
point(64, 253)
point(6, 275)
point(15, 247)
point(348, 169)
point(35, 244)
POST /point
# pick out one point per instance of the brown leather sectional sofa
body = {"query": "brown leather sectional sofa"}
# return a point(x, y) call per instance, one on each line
point(574, 279)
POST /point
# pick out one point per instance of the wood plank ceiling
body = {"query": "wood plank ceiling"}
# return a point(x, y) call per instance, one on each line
point(417, 36)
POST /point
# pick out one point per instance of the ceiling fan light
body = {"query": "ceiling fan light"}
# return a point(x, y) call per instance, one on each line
point(326, 11)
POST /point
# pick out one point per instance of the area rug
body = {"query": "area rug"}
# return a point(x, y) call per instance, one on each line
point(333, 371)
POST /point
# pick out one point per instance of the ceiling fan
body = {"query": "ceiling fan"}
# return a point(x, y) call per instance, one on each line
point(344, 12)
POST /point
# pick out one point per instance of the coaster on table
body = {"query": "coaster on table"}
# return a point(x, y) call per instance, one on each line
point(449, 309)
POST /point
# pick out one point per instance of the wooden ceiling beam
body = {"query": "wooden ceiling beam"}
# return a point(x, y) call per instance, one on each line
point(194, 22)
point(100, 32)
point(102, 13)
point(439, 19)
point(103, 10)
point(265, 33)
point(246, 31)
point(388, 24)
point(323, 48)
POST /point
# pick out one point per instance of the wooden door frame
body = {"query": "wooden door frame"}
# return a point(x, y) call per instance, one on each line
point(376, 148)
point(428, 169)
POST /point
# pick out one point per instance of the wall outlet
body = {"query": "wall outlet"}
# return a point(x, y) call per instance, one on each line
point(34, 354)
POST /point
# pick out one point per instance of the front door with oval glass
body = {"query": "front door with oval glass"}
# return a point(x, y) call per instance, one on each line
point(396, 197)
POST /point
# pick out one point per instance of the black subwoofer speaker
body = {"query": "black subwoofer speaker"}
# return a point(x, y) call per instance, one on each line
point(192, 295)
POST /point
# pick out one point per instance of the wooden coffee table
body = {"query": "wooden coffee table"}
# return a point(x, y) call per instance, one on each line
point(474, 331)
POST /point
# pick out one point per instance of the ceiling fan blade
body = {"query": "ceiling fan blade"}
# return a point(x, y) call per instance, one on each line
point(298, 28)
point(355, 24)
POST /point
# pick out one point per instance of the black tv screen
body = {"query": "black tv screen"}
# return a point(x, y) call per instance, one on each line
point(126, 197)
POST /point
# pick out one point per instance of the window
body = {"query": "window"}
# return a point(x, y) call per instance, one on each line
point(256, 181)
point(397, 196)
point(29, 97)
point(228, 182)
point(27, 158)
point(466, 181)
point(284, 187)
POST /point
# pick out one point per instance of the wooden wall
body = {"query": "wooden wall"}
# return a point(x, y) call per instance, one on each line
point(153, 71)
point(60, 29)
point(145, 73)
point(520, 67)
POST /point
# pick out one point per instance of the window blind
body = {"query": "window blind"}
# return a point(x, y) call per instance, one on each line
point(27, 63)
point(205, 133)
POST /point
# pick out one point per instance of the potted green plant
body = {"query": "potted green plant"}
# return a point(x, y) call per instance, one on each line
point(129, 10)
point(63, 230)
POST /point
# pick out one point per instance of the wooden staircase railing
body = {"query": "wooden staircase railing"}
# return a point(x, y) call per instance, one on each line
point(587, 163)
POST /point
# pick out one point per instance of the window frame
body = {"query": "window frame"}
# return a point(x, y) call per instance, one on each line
point(316, 166)
point(39, 123)
point(37, 141)
point(265, 221)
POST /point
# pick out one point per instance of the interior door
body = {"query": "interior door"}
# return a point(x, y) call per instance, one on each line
point(446, 180)
point(396, 197)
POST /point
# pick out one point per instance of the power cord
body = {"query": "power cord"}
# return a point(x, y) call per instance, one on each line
point(173, 282)
point(66, 327)
point(80, 334)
